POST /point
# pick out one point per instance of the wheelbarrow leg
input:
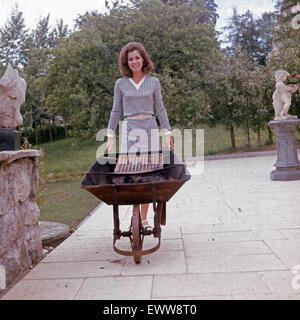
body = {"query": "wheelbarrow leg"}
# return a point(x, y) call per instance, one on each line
point(136, 233)
point(158, 215)
point(163, 214)
point(117, 231)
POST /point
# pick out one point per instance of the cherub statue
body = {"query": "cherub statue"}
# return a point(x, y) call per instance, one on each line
point(12, 96)
point(282, 96)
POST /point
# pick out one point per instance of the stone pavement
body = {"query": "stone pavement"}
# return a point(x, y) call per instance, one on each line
point(231, 233)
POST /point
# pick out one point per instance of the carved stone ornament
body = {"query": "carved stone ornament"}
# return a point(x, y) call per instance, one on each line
point(12, 96)
point(282, 96)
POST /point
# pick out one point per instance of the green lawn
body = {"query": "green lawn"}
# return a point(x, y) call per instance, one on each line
point(60, 197)
point(218, 140)
point(65, 162)
point(65, 159)
point(64, 201)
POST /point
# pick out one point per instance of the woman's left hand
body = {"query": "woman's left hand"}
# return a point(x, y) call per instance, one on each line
point(169, 141)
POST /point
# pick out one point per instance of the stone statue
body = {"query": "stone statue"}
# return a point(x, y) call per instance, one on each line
point(12, 96)
point(282, 96)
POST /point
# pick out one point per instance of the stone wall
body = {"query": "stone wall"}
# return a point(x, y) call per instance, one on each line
point(20, 241)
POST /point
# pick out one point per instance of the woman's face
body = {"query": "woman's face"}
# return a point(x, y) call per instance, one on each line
point(135, 61)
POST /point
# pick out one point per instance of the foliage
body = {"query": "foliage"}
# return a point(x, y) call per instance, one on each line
point(13, 40)
point(252, 35)
point(72, 73)
point(30, 53)
point(80, 79)
point(79, 83)
point(43, 134)
point(287, 40)
point(287, 32)
point(240, 93)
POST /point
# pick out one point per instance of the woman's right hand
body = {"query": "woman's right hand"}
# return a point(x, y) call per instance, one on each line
point(109, 144)
point(170, 142)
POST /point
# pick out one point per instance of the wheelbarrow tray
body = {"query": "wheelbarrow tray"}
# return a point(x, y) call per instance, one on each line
point(98, 181)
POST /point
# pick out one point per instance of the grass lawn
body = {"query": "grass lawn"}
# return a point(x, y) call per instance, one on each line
point(64, 159)
point(62, 168)
point(63, 201)
point(65, 162)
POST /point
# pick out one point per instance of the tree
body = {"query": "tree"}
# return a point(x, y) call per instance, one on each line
point(232, 86)
point(13, 38)
point(209, 5)
point(41, 42)
point(252, 35)
point(265, 27)
point(262, 87)
point(287, 43)
point(79, 85)
point(81, 77)
point(61, 31)
point(243, 33)
point(287, 31)
point(220, 94)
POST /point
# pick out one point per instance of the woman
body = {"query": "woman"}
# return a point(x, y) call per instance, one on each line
point(137, 92)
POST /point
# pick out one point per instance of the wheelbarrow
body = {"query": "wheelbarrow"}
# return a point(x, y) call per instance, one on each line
point(135, 184)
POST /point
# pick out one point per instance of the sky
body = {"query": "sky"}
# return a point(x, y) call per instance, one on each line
point(68, 10)
point(32, 10)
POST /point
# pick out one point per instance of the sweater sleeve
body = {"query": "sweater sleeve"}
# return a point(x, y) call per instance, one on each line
point(116, 110)
point(160, 109)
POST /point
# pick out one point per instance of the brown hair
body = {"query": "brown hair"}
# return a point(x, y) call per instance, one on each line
point(123, 58)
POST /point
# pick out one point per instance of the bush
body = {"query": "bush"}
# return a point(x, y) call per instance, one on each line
point(58, 132)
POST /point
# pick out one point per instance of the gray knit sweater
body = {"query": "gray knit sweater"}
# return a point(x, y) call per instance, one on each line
point(137, 99)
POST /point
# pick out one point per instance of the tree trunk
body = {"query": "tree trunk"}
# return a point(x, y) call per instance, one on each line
point(258, 136)
point(247, 124)
point(232, 137)
point(270, 138)
point(249, 142)
point(232, 128)
point(50, 130)
point(54, 127)
point(248, 133)
point(36, 134)
point(66, 129)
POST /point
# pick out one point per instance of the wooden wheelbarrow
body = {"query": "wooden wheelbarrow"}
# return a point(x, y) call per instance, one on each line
point(154, 184)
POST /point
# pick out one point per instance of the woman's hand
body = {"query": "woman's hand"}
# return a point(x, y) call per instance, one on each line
point(109, 144)
point(169, 141)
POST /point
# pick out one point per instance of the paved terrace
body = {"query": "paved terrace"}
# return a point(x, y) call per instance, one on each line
point(231, 233)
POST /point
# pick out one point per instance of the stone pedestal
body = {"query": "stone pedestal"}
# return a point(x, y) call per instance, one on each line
point(9, 139)
point(287, 163)
point(20, 241)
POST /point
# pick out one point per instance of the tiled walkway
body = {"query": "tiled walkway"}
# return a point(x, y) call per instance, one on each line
point(231, 233)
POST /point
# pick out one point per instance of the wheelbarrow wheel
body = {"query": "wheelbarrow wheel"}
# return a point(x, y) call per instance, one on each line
point(136, 234)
